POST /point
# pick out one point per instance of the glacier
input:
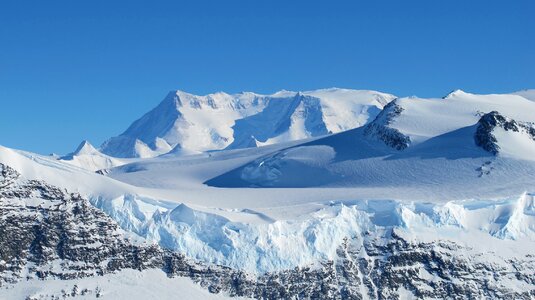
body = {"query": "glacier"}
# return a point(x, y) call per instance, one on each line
point(287, 244)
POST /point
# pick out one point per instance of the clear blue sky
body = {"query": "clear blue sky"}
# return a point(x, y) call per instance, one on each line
point(73, 70)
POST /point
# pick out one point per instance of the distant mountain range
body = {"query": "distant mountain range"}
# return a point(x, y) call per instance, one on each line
point(186, 123)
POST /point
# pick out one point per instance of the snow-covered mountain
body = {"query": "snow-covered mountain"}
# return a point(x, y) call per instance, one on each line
point(429, 198)
point(442, 143)
point(87, 157)
point(187, 123)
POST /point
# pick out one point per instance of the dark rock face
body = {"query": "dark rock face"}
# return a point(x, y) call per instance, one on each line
point(46, 232)
point(484, 137)
point(380, 129)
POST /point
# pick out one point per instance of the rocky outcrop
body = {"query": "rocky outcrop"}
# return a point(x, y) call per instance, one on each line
point(484, 136)
point(46, 232)
point(380, 129)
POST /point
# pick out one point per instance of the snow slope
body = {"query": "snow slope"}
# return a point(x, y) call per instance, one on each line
point(429, 143)
point(528, 94)
point(216, 121)
point(126, 284)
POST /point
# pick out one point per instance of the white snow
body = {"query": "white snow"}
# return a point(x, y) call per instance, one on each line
point(126, 284)
point(528, 94)
point(217, 121)
point(515, 144)
point(89, 158)
point(422, 119)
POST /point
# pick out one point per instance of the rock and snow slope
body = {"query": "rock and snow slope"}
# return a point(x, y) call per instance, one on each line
point(379, 250)
point(433, 144)
point(191, 123)
point(431, 198)
point(498, 134)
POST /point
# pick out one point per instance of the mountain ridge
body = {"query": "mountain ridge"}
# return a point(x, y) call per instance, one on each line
point(216, 121)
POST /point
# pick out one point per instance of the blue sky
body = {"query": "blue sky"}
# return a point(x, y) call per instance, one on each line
point(74, 70)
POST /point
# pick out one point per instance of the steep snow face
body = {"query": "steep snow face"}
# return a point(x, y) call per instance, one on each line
point(89, 158)
point(217, 121)
point(308, 114)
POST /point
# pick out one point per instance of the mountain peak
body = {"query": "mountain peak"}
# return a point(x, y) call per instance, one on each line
point(455, 93)
point(211, 122)
point(85, 147)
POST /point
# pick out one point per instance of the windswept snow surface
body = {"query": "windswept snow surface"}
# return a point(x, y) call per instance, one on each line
point(126, 284)
point(528, 94)
point(292, 204)
point(217, 121)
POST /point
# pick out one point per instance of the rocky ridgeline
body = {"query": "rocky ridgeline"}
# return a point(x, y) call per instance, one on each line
point(46, 232)
point(484, 136)
point(380, 129)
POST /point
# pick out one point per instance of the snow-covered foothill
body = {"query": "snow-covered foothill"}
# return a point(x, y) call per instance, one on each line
point(87, 157)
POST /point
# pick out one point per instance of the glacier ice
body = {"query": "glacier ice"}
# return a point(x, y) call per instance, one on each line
point(285, 244)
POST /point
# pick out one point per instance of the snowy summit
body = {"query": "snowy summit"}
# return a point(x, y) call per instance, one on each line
point(222, 121)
